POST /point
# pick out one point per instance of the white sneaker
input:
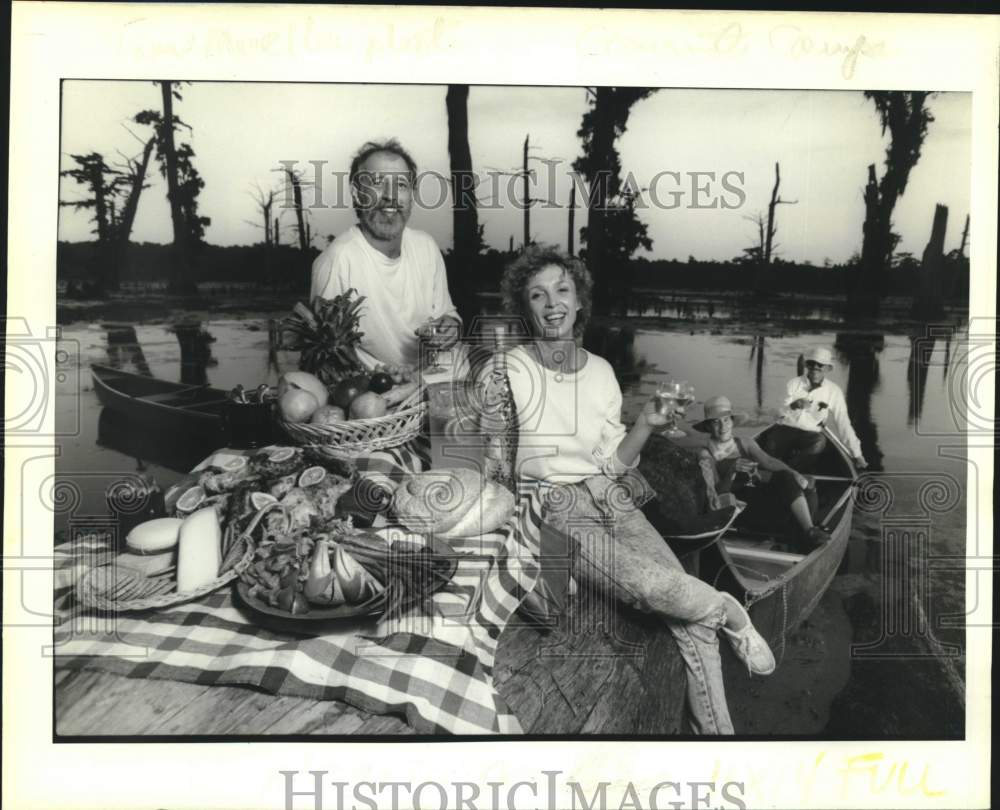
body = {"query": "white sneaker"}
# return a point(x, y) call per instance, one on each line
point(749, 645)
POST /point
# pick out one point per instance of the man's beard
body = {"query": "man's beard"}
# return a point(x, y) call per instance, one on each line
point(382, 225)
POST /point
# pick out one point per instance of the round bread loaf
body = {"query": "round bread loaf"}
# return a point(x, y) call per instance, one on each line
point(451, 503)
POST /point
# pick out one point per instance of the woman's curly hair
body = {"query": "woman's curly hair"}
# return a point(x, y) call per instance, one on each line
point(533, 259)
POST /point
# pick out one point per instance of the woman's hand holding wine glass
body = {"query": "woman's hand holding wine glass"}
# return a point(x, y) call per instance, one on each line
point(674, 397)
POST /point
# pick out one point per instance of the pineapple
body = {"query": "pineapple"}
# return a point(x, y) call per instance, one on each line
point(326, 333)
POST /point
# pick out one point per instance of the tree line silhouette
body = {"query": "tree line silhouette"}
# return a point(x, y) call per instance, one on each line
point(608, 241)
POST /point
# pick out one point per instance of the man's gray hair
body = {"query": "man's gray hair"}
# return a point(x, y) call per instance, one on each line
point(392, 146)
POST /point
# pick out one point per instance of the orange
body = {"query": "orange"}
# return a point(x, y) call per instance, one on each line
point(297, 405)
point(368, 406)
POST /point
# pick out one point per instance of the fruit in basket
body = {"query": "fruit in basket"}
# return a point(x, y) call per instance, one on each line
point(399, 374)
point(297, 405)
point(328, 415)
point(303, 381)
point(399, 393)
point(368, 406)
point(347, 390)
point(380, 382)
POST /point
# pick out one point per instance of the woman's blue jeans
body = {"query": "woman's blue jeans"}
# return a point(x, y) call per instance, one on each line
point(620, 551)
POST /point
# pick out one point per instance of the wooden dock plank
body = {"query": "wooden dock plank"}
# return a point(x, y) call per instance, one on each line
point(101, 703)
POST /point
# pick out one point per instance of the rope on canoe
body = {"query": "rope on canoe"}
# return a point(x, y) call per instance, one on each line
point(748, 602)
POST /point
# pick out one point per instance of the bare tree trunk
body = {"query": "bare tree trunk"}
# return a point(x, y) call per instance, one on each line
point(904, 116)
point(527, 194)
point(570, 233)
point(965, 237)
point(765, 276)
point(466, 239)
point(465, 214)
point(603, 148)
point(863, 295)
point(769, 237)
point(132, 203)
point(180, 280)
point(123, 230)
point(293, 178)
point(928, 304)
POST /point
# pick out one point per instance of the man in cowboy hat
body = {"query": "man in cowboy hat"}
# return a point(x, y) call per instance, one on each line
point(811, 403)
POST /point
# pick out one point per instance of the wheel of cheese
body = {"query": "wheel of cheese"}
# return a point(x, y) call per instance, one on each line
point(199, 551)
point(154, 536)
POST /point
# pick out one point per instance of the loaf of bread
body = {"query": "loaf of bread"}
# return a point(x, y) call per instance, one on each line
point(452, 503)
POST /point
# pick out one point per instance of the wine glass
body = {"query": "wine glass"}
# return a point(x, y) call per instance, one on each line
point(685, 395)
point(668, 393)
point(431, 331)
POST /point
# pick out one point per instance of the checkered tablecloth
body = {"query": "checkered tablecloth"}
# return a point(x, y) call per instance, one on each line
point(434, 664)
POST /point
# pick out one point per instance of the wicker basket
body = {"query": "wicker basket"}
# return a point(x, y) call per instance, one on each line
point(346, 441)
point(98, 587)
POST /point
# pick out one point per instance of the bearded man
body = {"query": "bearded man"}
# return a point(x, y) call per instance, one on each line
point(399, 270)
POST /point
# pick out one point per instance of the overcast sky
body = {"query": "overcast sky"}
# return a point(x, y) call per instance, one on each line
point(824, 141)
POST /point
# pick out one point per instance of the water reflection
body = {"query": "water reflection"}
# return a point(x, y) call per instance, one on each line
point(757, 350)
point(196, 351)
point(647, 304)
point(124, 349)
point(616, 344)
point(860, 352)
point(921, 349)
point(947, 355)
point(121, 434)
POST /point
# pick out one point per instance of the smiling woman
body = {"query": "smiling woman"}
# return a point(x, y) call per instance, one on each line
point(576, 449)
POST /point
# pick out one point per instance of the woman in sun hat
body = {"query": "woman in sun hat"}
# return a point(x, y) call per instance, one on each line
point(811, 403)
point(728, 462)
point(572, 443)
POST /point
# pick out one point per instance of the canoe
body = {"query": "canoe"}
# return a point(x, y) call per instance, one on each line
point(759, 565)
point(191, 410)
point(174, 450)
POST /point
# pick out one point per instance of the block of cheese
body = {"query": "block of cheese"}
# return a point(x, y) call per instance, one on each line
point(199, 551)
point(154, 536)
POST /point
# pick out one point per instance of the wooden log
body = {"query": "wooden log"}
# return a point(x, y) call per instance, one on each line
point(604, 669)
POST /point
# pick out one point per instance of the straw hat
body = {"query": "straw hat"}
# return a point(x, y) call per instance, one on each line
point(819, 354)
point(715, 408)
